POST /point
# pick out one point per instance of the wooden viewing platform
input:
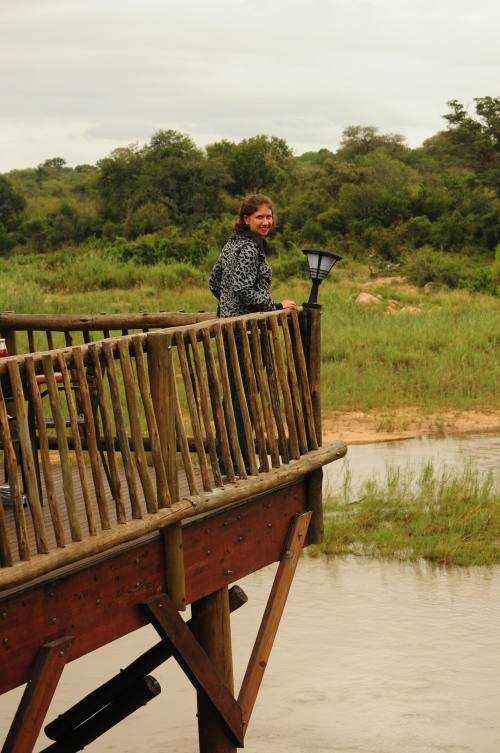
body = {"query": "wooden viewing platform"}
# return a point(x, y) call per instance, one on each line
point(114, 512)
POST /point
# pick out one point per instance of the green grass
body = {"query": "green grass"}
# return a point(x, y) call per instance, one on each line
point(443, 358)
point(446, 517)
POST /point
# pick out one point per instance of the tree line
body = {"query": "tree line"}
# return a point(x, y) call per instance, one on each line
point(373, 198)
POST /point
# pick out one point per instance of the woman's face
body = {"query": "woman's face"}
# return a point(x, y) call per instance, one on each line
point(261, 221)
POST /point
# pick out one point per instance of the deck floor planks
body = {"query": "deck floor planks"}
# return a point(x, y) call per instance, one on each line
point(79, 501)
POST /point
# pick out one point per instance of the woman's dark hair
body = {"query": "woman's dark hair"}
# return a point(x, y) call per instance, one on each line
point(248, 206)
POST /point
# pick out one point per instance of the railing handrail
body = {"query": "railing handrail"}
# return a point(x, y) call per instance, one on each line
point(116, 389)
point(11, 321)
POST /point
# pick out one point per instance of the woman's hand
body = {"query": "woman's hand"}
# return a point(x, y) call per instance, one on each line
point(289, 305)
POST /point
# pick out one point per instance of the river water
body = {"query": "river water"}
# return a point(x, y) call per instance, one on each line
point(453, 451)
point(370, 657)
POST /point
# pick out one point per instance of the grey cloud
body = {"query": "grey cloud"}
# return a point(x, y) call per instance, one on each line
point(87, 75)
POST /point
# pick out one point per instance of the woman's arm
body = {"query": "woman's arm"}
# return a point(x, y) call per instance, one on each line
point(214, 282)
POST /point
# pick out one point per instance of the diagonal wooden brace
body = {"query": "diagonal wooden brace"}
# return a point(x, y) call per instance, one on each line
point(195, 662)
point(50, 662)
point(272, 614)
point(120, 684)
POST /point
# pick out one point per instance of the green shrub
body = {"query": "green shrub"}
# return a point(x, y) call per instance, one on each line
point(176, 276)
point(71, 272)
point(427, 265)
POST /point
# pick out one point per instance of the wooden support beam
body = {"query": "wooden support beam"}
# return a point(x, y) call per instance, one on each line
point(195, 663)
point(30, 715)
point(212, 628)
point(315, 504)
point(272, 615)
point(138, 694)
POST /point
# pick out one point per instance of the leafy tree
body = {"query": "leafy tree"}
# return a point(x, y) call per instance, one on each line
point(256, 164)
point(6, 241)
point(117, 182)
point(11, 203)
point(57, 163)
point(358, 141)
point(170, 176)
point(147, 218)
point(173, 145)
point(317, 158)
point(67, 225)
point(36, 232)
point(471, 142)
point(382, 194)
point(177, 173)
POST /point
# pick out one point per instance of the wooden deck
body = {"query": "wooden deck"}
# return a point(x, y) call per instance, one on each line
point(224, 495)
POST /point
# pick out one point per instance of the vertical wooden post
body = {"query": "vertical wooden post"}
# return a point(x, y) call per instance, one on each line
point(312, 348)
point(212, 627)
point(161, 375)
point(10, 338)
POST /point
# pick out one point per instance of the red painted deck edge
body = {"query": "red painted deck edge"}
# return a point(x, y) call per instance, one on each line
point(98, 603)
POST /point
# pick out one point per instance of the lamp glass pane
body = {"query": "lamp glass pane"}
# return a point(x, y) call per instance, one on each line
point(313, 258)
point(326, 263)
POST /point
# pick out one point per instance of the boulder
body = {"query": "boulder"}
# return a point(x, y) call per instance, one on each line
point(366, 299)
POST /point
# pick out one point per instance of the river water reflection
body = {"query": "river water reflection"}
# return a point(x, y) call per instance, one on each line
point(455, 451)
point(371, 656)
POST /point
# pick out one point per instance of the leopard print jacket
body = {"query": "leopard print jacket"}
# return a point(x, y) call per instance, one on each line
point(241, 277)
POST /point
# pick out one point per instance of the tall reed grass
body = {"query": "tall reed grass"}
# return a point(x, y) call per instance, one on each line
point(447, 517)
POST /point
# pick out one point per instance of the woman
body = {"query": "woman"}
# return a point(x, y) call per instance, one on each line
point(241, 277)
point(241, 281)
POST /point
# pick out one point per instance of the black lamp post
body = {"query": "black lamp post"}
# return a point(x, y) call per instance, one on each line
point(320, 263)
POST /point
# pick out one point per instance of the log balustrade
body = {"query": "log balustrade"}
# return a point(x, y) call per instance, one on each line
point(148, 404)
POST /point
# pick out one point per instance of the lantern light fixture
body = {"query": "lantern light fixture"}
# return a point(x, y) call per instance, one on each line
point(320, 264)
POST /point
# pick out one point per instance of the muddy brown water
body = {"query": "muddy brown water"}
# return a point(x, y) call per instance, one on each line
point(452, 451)
point(370, 657)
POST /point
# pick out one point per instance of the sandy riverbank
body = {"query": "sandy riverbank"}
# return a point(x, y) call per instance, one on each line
point(365, 428)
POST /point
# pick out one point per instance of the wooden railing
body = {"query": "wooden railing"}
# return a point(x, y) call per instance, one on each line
point(106, 441)
point(32, 333)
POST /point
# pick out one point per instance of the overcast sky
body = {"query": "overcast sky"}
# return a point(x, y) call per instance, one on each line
point(79, 78)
